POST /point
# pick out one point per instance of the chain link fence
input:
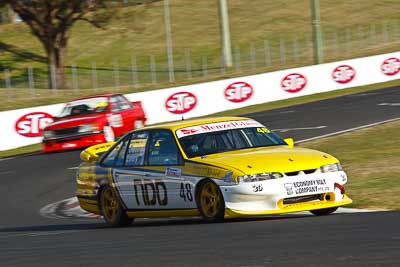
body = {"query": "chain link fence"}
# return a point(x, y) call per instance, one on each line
point(249, 58)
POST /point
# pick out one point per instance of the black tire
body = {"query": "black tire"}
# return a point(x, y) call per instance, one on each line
point(111, 208)
point(322, 212)
point(210, 201)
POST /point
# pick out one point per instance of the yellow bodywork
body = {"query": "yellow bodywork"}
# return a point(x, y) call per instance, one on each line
point(215, 166)
point(91, 154)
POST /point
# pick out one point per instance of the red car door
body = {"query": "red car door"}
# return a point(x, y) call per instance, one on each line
point(123, 116)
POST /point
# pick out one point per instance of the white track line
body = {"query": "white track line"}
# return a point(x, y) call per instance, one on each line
point(298, 129)
point(7, 159)
point(389, 104)
point(347, 130)
point(73, 168)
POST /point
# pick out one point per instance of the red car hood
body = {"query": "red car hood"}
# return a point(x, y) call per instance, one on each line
point(61, 123)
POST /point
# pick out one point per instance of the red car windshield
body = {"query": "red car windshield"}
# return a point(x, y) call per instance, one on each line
point(84, 106)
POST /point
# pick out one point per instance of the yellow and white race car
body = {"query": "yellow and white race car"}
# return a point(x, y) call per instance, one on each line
point(216, 168)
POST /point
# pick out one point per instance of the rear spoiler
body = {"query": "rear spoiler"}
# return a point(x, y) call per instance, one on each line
point(92, 154)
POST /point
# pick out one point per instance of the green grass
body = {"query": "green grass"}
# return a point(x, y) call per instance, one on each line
point(139, 31)
point(20, 150)
point(371, 158)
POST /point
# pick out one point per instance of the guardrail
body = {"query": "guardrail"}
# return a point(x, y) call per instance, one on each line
point(23, 126)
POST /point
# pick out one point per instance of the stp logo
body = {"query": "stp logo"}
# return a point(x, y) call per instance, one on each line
point(32, 124)
point(343, 74)
point(186, 131)
point(391, 66)
point(293, 83)
point(238, 92)
point(181, 102)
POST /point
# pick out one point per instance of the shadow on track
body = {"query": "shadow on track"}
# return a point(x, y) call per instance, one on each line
point(140, 223)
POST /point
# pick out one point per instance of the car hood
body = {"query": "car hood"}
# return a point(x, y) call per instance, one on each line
point(68, 122)
point(269, 159)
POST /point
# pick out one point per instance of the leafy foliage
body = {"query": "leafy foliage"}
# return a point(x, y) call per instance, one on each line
point(51, 20)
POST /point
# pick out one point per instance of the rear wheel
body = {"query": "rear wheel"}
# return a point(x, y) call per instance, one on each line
point(112, 210)
point(210, 202)
point(322, 212)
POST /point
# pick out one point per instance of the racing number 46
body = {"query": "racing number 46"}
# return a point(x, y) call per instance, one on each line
point(186, 192)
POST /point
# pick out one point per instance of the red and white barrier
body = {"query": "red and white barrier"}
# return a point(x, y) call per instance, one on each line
point(22, 127)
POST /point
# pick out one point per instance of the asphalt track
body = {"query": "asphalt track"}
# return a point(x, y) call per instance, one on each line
point(358, 239)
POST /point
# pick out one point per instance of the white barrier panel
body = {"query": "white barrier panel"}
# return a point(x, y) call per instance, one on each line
point(22, 127)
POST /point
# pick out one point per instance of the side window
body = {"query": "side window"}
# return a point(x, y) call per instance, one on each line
point(117, 155)
point(114, 104)
point(123, 103)
point(136, 150)
point(163, 149)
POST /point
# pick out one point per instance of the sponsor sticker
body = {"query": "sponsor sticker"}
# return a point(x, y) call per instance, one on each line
point(238, 92)
point(343, 74)
point(391, 66)
point(32, 124)
point(180, 103)
point(289, 188)
point(294, 82)
point(173, 172)
point(306, 187)
point(68, 145)
point(218, 126)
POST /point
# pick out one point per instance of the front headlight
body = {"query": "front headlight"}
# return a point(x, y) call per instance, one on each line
point(47, 134)
point(335, 167)
point(86, 128)
point(259, 177)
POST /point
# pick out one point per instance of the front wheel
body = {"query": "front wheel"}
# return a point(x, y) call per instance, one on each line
point(210, 202)
point(322, 212)
point(113, 212)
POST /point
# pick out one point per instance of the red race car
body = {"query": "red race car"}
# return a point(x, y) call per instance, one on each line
point(92, 120)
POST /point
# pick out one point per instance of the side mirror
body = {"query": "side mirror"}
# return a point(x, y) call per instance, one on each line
point(88, 157)
point(289, 142)
point(92, 154)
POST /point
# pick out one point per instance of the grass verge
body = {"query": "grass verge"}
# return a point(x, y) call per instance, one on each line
point(20, 150)
point(371, 158)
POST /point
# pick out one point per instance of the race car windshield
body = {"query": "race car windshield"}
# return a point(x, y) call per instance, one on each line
point(84, 106)
point(222, 141)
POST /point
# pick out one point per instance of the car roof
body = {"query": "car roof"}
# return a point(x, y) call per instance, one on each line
point(94, 96)
point(175, 125)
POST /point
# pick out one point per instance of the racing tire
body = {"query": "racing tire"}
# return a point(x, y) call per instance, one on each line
point(322, 212)
point(138, 124)
point(210, 201)
point(109, 135)
point(112, 210)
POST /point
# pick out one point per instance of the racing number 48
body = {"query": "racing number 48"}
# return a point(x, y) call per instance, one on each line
point(186, 192)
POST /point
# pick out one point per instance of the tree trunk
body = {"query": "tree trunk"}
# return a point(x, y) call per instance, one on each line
point(56, 63)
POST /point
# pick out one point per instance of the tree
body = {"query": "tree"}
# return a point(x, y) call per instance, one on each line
point(51, 20)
